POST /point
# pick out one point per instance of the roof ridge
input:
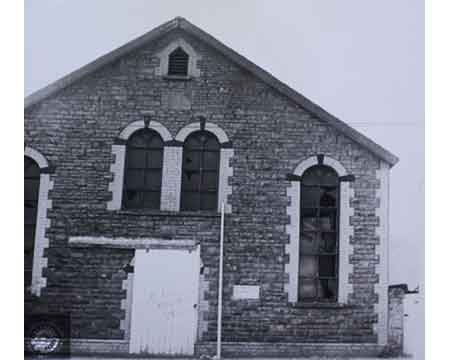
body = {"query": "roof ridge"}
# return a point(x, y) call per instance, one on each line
point(263, 75)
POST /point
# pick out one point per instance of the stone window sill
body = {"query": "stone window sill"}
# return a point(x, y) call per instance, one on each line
point(153, 212)
point(178, 77)
point(320, 305)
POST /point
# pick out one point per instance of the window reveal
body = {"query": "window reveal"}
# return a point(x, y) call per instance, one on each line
point(143, 170)
point(200, 172)
point(31, 199)
point(319, 234)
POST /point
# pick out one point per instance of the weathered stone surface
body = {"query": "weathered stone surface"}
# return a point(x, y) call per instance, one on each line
point(75, 130)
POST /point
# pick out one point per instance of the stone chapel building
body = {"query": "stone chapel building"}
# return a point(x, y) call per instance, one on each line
point(127, 163)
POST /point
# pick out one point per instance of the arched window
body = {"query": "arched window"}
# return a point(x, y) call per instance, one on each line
point(31, 197)
point(178, 62)
point(318, 262)
point(200, 172)
point(143, 170)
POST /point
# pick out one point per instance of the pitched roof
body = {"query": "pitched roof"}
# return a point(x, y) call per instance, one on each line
point(181, 23)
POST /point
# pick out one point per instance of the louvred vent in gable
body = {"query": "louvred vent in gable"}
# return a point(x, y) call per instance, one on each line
point(178, 62)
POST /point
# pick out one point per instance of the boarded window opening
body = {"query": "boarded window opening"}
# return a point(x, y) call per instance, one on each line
point(178, 62)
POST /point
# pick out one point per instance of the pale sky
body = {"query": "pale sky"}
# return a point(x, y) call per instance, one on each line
point(363, 61)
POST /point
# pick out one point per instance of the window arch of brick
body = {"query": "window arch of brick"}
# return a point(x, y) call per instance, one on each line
point(226, 152)
point(37, 185)
point(116, 186)
point(343, 227)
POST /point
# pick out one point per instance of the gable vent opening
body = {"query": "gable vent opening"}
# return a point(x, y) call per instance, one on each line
point(178, 62)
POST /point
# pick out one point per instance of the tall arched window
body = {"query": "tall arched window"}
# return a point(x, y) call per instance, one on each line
point(319, 201)
point(143, 170)
point(200, 172)
point(178, 62)
point(31, 197)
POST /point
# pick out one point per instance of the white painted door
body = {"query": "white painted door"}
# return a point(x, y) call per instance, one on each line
point(165, 294)
point(413, 326)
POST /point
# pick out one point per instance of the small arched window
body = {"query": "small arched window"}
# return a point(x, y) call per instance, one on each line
point(200, 173)
point(143, 170)
point(31, 197)
point(178, 62)
point(319, 201)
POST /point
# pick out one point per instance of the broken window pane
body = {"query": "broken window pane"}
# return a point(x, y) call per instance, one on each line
point(309, 223)
point(308, 266)
point(309, 243)
point(329, 242)
point(327, 220)
point(319, 212)
point(308, 288)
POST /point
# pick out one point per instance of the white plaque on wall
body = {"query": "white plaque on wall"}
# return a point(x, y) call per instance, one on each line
point(245, 292)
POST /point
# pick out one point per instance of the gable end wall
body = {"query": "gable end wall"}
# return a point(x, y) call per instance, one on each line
point(76, 129)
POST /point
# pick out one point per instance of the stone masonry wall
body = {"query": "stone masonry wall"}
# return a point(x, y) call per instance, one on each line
point(75, 130)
